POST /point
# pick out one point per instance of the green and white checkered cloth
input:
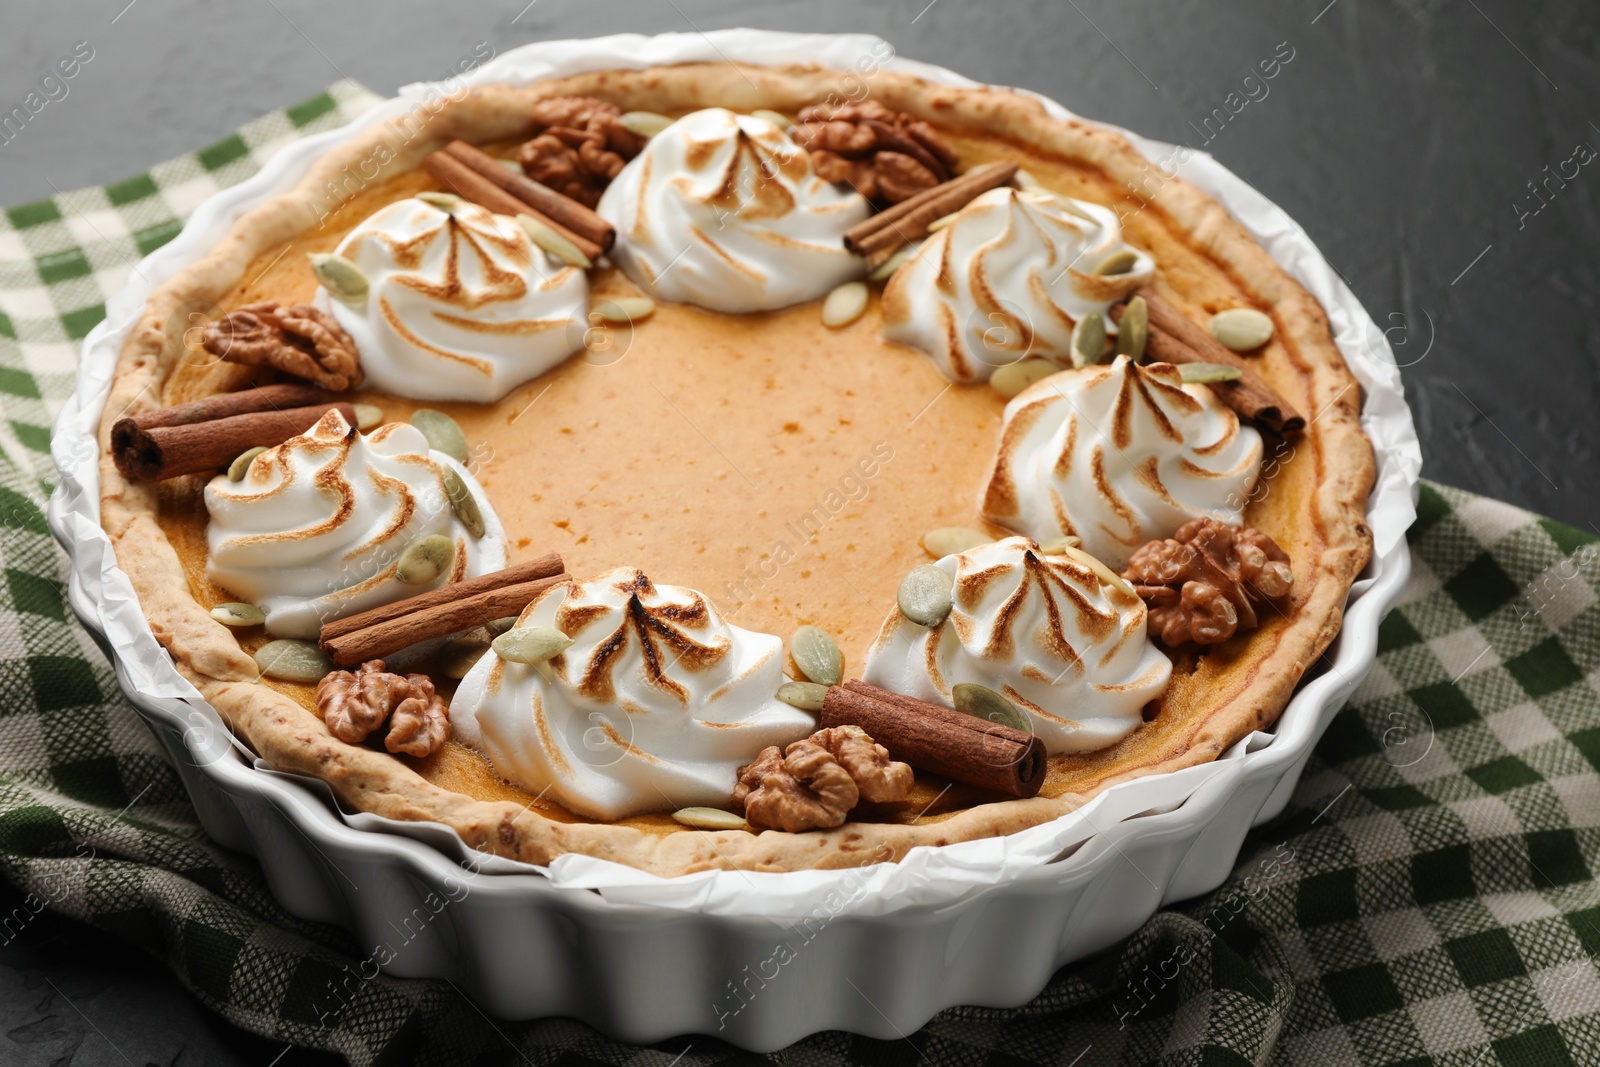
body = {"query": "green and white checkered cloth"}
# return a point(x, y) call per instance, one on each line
point(1428, 897)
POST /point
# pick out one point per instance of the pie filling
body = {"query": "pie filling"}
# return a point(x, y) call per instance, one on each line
point(794, 401)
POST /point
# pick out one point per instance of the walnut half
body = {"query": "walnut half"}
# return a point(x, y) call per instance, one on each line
point(356, 703)
point(296, 339)
point(886, 155)
point(1204, 583)
point(579, 145)
point(818, 780)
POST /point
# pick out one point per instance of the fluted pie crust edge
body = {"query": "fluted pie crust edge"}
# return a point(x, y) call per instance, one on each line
point(1332, 540)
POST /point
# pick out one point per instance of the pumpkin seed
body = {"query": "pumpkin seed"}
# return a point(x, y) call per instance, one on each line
point(443, 433)
point(531, 644)
point(1104, 573)
point(463, 503)
point(949, 540)
point(942, 221)
point(1242, 329)
point(644, 123)
point(343, 279)
point(449, 203)
point(1013, 378)
point(241, 466)
point(458, 654)
point(1057, 546)
point(368, 416)
point(1088, 339)
point(807, 696)
point(899, 259)
point(425, 559)
point(710, 819)
point(924, 595)
point(1208, 373)
point(556, 244)
point(292, 661)
point(624, 309)
point(986, 704)
point(1134, 329)
point(1120, 262)
point(237, 615)
point(777, 118)
point(844, 305)
point(817, 656)
point(496, 627)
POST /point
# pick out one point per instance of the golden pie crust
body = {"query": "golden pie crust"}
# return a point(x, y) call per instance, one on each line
point(1312, 500)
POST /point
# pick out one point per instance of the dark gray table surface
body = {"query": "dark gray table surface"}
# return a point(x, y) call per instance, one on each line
point(1428, 146)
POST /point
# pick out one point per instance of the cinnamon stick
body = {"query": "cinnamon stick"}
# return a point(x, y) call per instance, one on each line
point(207, 434)
point(1175, 338)
point(1171, 318)
point(438, 612)
point(941, 741)
point(468, 183)
point(557, 207)
point(220, 406)
point(908, 220)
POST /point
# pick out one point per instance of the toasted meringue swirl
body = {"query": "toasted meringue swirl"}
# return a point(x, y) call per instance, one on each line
point(1008, 278)
point(655, 706)
point(314, 530)
point(1067, 648)
point(462, 305)
point(724, 211)
point(1119, 455)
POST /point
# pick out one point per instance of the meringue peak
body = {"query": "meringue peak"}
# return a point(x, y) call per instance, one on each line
point(655, 705)
point(668, 634)
point(753, 182)
point(1058, 583)
point(1045, 631)
point(1118, 455)
point(316, 527)
point(1153, 390)
point(724, 211)
point(462, 306)
point(1008, 278)
point(484, 263)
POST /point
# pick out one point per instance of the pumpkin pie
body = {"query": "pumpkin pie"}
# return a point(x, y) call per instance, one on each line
point(860, 475)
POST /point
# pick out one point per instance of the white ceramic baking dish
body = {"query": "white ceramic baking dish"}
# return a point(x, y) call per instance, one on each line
point(758, 960)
